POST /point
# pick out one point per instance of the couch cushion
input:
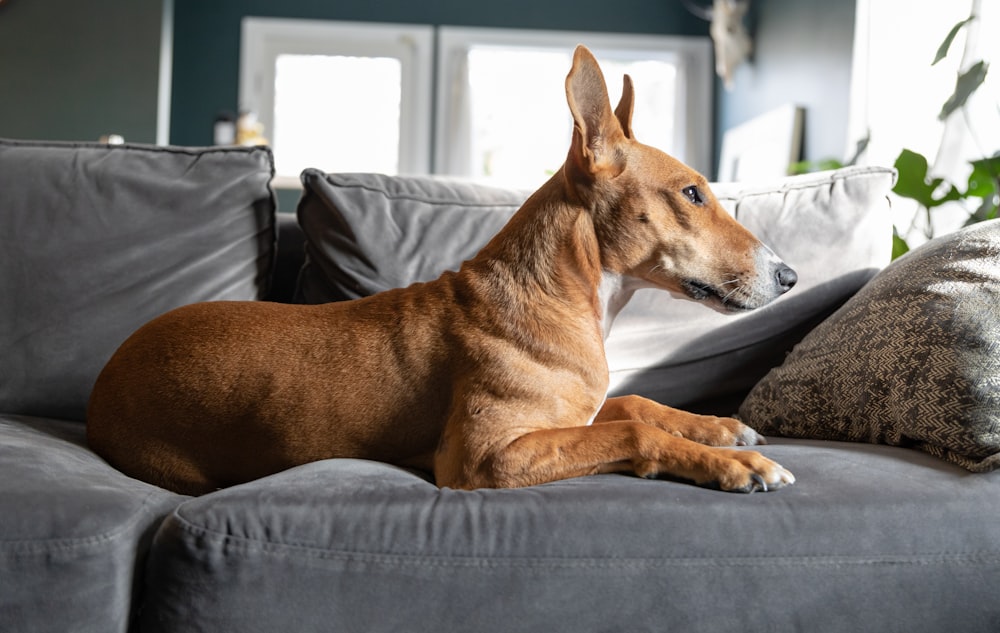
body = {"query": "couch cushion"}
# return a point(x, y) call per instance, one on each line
point(74, 532)
point(869, 539)
point(95, 240)
point(368, 232)
point(913, 359)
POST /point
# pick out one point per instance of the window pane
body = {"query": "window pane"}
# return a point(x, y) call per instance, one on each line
point(336, 113)
point(519, 121)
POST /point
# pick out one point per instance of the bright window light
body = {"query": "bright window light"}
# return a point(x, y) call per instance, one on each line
point(501, 114)
point(488, 104)
point(519, 123)
point(897, 96)
point(319, 123)
point(339, 96)
point(514, 139)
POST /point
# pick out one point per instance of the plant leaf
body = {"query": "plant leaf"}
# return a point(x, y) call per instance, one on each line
point(968, 82)
point(912, 182)
point(984, 177)
point(946, 44)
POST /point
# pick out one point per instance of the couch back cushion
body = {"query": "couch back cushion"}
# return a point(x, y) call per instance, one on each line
point(367, 232)
point(96, 240)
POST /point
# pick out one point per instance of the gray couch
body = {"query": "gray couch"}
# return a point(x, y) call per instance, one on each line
point(97, 240)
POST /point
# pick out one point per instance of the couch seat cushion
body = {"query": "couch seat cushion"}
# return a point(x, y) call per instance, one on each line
point(870, 538)
point(74, 532)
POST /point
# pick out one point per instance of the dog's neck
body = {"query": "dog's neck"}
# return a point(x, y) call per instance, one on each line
point(552, 246)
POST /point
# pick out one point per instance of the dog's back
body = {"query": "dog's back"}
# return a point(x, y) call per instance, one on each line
point(214, 394)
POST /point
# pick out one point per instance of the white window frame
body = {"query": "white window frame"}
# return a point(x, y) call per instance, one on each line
point(264, 39)
point(692, 56)
point(432, 57)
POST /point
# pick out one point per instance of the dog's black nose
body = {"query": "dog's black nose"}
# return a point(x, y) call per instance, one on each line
point(785, 277)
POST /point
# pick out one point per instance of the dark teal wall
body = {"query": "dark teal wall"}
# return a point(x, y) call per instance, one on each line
point(75, 70)
point(72, 70)
point(207, 33)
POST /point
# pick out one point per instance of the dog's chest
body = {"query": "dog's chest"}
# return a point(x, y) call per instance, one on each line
point(613, 293)
point(596, 411)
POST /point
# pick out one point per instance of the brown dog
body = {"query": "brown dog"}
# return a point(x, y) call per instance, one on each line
point(492, 376)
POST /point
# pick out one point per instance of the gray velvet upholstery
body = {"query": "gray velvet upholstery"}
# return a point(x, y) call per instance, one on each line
point(74, 532)
point(94, 241)
point(869, 539)
point(369, 232)
point(97, 239)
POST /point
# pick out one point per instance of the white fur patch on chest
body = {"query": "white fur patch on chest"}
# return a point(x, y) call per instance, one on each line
point(598, 410)
point(613, 293)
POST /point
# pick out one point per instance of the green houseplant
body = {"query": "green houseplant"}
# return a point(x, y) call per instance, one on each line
point(980, 194)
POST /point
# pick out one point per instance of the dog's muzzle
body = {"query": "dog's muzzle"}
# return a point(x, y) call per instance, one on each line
point(742, 296)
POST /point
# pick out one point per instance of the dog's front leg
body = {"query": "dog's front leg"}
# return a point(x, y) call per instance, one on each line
point(704, 429)
point(622, 446)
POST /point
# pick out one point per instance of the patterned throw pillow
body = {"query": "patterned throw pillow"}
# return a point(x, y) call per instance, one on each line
point(912, 360)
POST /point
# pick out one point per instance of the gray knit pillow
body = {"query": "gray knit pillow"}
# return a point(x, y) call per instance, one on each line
point(912, 360)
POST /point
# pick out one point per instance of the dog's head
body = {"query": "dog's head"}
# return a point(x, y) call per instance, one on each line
point(657, 221)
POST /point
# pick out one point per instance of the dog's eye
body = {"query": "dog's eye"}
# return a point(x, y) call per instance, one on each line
point(693, 194)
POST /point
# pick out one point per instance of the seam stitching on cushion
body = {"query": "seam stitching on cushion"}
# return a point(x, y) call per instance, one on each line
point(458, 201)
point(834, 177)
point(459, 560)
point(41, 546)
point(465, 204)
point(153, 149)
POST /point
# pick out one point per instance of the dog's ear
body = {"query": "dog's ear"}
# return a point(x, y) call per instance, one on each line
point(596, 130)
point(625, 106)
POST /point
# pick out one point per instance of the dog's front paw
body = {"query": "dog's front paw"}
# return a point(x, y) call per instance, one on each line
point(743, 435)
point(714, 431)
point(749, 471)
